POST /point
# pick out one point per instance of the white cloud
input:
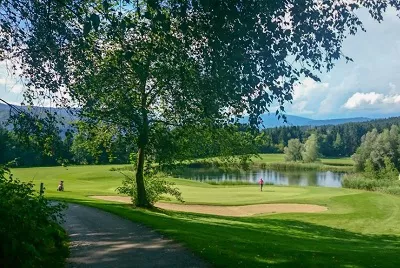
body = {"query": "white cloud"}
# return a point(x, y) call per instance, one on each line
point(301, 108)
point(10, 84)
point(370, 100)
point(392, 88)
point(11, 87)
point(305, 95)
point(16, 88)
point(307, 88)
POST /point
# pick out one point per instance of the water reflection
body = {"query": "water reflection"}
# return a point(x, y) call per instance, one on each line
point(300, 178)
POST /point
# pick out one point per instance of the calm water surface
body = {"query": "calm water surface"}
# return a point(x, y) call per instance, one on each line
point(299, 178)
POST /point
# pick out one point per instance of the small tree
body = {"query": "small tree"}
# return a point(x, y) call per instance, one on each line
point(364, 151)
point(310, 153)
point(156, 187)
point(338, 144)
point(389, 172)
point(293, 152)
point(376, 147)
point(369, 170)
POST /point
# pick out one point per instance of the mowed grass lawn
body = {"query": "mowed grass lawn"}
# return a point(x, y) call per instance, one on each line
point(360, 229)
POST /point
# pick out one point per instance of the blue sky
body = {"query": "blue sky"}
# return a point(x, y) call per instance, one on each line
point(369, 86)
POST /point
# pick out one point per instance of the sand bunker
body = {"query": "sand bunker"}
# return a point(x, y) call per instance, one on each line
point(238, 211)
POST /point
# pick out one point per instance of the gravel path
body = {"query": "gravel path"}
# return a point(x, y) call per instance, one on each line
point(100, 239)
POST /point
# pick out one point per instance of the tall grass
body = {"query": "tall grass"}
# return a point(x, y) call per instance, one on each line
point(266, 161)
point(124, 168)
point(278, 166)
point(299, 166)
point(359, 181)
point(215, 182)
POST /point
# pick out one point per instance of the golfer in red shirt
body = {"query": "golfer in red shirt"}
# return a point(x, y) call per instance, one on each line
point(261, 182)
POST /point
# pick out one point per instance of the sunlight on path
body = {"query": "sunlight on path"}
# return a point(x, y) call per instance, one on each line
point(100, 239)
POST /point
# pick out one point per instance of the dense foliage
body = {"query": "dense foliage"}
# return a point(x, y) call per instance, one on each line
point(311, 149)
point(378, 161)
point(157, 187)
point(377, 150)
point(333, 140)
point(103, 144)
point(297, 151)
point(29, 232)
point(293, 150)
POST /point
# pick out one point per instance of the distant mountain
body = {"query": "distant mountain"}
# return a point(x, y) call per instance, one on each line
point(61, 112)
point(4, 112)
point(271, 121)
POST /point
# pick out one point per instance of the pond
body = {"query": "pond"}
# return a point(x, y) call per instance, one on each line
point(298, 178)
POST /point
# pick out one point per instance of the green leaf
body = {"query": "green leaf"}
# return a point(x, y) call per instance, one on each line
point(106, 5)
point(87, 26)
point(128, 55)
point(95, 21)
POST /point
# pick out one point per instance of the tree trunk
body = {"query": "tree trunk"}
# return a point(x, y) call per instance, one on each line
point(141, 200)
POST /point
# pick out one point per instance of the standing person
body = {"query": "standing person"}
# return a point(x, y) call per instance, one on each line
point(261, 182)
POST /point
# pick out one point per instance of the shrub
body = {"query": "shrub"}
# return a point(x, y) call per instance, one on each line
point(359, 181)
point(29, 232)
point(392, 190)
point(155, 186)
point(388, 172)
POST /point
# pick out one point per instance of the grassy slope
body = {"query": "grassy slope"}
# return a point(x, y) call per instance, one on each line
point(361, 229)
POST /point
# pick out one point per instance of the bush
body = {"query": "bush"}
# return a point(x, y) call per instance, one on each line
point(392, 190)
point(360, 181)
point(29, 232)
point(155, 186)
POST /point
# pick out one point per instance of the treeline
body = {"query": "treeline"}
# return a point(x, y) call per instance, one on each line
point(333, 140)
point(101, 143)
point(41, 143)
point(82, 144)
point(378, 162)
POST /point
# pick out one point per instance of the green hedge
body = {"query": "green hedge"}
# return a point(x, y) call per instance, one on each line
point(30, 235)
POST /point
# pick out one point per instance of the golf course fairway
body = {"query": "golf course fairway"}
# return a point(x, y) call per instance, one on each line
point(358, 229)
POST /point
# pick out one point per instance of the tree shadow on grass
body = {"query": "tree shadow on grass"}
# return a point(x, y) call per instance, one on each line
point(262, 242)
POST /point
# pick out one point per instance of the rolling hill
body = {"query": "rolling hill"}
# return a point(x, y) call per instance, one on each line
point(269, 121)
